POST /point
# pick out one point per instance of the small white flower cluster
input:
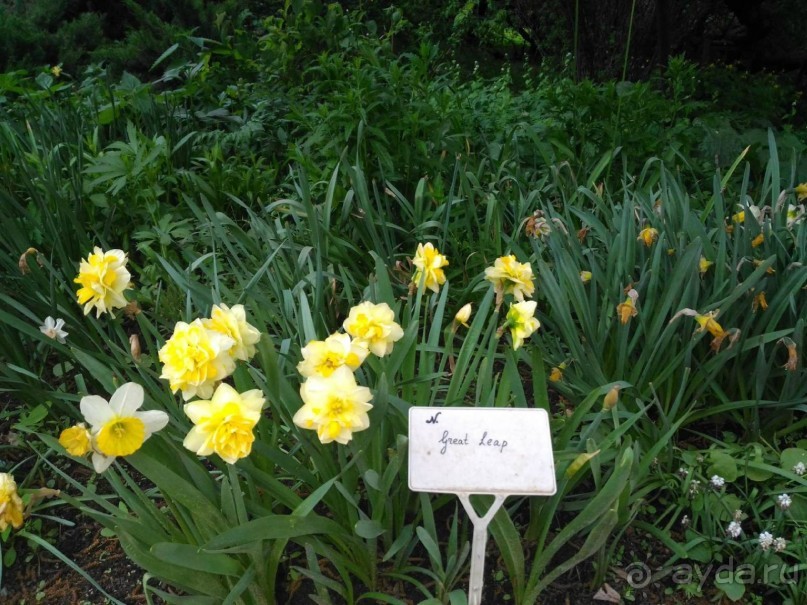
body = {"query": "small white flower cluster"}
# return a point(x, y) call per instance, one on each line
point(766, 540)
point(717, 481)
point(799, 469)
point(694, 487)
point(784, 501)
point(734, 529)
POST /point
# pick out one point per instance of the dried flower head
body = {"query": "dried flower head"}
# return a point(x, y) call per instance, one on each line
point(627, 309)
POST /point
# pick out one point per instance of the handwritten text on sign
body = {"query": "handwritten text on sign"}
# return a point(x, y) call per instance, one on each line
point(480, 451)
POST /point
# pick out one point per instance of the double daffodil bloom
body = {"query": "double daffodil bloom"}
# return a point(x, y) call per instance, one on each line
point(522, 322)
point(224, 424)
point(232, 322)
point(10, 503)
point(103, 277)
point(322, 357)
point(429, 265)
point(334, 407)
point(117, 428)
point(195, 359)
point(373, 326)
point(509, 276)
point(703, 265)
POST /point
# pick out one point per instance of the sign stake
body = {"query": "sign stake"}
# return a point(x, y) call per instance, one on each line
point(479, 542)
point(497, 452)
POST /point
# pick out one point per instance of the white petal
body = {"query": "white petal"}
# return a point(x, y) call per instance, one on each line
point(96, 410)
point(154, 420)
point(127, 399)
point(101, 462)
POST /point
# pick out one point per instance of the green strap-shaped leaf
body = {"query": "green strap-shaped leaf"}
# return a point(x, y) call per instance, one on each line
point(273, 527)
point(187, 555)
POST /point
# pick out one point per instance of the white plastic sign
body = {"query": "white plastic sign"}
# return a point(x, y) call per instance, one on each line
point(480, 451)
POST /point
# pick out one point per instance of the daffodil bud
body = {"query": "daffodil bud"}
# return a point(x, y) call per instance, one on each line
point(611, 398)
point(463, 315)
point(134, 347)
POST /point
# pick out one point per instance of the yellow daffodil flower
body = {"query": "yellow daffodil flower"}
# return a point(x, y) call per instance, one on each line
point(195, 359)
point(627, 309)
point(709, 324)
point(759, 302)
point(795, 214)
point(56, 70)
point(509, 276)
point(322, 357)
point(334, 407)
point(373, 326)
point(801, 191)
point(739, 217)
point(76, 440)
point(648, 236)
point(757, 241)
point(429, 265)
point(103, 278)
point(10, 503)
point(117, 428)
point(463, 315)
point(585, 276)
point(233, 323)
point(521, 321)
point(703, 265)
point(224, 424)
point(556, 374)
point(769, 270)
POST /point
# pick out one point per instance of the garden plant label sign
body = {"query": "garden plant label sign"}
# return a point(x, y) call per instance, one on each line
point(496, 451)
point(480, 451)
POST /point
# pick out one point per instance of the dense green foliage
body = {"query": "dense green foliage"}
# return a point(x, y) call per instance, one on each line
point(292, 163)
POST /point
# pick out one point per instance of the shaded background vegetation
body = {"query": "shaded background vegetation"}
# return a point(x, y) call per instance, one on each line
point(130, 34)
